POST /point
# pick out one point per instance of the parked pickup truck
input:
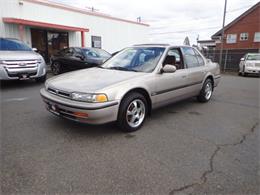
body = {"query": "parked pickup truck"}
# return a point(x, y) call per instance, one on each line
point(20, 62)
point(130, 84)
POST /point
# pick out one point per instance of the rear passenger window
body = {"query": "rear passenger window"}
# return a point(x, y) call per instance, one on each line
point(199, 57)
point(190, 57)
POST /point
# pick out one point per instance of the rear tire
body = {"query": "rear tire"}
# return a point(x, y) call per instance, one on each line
point(132, 112)
point(206, 91)
point(56, 68)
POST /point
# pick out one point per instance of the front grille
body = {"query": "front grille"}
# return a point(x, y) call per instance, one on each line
point(257, 64)
point(16, 67)
point(59, 92)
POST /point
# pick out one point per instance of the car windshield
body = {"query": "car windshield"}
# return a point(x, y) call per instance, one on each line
point(138, 59)
point(253, 57)
point(13, 45)
point(96, 53)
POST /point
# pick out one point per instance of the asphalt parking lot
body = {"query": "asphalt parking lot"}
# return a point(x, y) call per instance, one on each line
point(184, 148)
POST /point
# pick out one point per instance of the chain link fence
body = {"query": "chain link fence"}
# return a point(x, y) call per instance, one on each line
point(230, 58)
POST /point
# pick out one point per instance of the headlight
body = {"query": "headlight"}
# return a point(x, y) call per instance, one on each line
point(249, 64)
point(87, 97)
point(39, 61)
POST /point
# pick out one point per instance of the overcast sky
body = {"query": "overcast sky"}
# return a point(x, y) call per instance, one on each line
point(171, 20)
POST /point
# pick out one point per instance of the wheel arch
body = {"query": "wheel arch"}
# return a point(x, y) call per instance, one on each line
point(142, 91)
point(211, 77)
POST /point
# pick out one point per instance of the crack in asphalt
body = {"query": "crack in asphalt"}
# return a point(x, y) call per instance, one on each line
point(203, 178)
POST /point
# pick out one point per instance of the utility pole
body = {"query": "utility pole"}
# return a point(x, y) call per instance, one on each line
point(222, 33)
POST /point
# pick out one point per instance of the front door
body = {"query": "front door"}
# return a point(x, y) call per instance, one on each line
point(171, 86)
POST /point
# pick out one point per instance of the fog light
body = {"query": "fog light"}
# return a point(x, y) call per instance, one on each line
point(80, 114)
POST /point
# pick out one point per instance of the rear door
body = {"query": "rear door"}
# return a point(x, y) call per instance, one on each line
point(196, 68)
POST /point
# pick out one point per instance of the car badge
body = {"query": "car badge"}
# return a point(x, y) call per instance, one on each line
point(22, 64)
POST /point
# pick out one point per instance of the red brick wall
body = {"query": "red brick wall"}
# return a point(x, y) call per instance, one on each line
point(249, 24)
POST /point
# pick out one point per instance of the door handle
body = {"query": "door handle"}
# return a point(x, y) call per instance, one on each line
point(184, 76)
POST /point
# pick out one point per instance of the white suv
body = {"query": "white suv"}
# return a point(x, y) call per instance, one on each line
point(20, 62)
point(250, 64)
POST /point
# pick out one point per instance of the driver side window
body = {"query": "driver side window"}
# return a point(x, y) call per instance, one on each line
point(68, 52)
point(174, 58)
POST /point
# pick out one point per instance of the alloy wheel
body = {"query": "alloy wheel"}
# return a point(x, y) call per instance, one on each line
point(135, 113)
point(208, 90)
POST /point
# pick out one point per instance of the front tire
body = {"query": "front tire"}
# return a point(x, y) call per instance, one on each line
point(244, 73)
point(56, 68)
point(206, 91)
point(132, 112)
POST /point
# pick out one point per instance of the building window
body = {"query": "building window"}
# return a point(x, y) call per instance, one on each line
point(231, 38)
point(96, 42)
point(243, 36)
point(257, 37)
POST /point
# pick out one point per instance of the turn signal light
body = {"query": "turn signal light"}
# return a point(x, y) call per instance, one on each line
point(80, 114)
point(101, 98)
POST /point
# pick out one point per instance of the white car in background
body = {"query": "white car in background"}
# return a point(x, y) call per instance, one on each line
point(250, 64)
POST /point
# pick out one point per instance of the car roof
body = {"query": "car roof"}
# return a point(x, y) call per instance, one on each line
point(159, 45)
point(85, 48)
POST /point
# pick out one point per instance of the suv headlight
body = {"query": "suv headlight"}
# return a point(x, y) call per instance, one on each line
point(249, 64)
point(39, 61)
point(87, 97)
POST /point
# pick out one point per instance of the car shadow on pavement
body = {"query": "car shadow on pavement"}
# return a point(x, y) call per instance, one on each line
point(6, 85)
point(76, 129)
point(174, 108)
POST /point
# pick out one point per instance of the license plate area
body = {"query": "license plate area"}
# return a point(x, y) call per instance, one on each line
point(24, 77)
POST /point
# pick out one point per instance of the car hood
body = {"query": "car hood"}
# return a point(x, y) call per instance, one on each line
point(90, 80)
point(253, 61)
point(19, 55)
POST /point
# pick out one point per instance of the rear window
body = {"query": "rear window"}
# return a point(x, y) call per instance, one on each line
point(13, 45)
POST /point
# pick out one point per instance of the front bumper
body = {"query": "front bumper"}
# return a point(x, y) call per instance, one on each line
point(217, 80)
point(90, 113)
point(252, 70)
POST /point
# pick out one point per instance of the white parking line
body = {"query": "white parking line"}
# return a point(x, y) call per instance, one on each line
point(15, 99)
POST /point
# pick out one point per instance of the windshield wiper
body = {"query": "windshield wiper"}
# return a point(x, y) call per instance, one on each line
point(122, 68)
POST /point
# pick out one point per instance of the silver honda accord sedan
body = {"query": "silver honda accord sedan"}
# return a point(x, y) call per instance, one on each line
point(128, 86)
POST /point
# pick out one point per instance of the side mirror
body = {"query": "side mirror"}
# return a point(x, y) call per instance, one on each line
point(35, 49)
point(242, 59)
point(168, 68)
point(79, 56)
